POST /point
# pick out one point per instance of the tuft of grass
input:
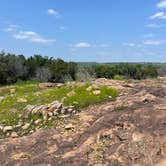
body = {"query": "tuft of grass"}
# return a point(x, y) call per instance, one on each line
point(9, 118)
point(118, 77)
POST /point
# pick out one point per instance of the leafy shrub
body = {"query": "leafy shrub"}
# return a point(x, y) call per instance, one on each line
point(118, 77)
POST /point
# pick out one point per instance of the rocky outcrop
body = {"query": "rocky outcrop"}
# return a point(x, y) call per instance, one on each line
point(49, 110)
point(127, 132)
point(26, 125)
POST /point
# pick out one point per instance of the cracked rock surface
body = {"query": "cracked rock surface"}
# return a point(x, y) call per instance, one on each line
point(130, 131)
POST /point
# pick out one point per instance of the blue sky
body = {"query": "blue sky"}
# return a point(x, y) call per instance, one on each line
point(85, 30)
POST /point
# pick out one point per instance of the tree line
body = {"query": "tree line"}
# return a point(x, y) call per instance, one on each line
point(127, 71)
point(17, 67)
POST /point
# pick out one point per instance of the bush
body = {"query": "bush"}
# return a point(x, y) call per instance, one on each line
point(126, 70)
point(118, 77)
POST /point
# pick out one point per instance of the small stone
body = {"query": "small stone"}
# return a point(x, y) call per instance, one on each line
point(7, 134)
point(74, 111)
point(7, 128)
point(32, 131)
point(26, 126)
point(72, 93)
point(71, 107)
point(52, 108)
point(20, 116)
point(47, 85)
point(160, 107)
point(96, 92)
point(37, 109)
point(59, 105)
point(55, 112)
point(38, 127)
point(50, 114)
point(75, 102)
point(22, 100)
point(45, 117)
point(89, 88)
point(70, 110)
point(59, 85)
point(1, 98)
point(14, 135)
point(69, 127)
point(29, 108)
point(65, 116)
point(50, 119)
point(38, 121)
point(37, 93)
point(1, 127)
point(95, 87)
point(137, 137)
point(148, 98)
point(63, 111)
point(128, 85)
point(20, 123)
point(12, 90)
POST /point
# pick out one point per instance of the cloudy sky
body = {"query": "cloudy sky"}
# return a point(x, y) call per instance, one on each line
point(85, 30)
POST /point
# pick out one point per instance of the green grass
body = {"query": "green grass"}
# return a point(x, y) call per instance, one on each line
point(85, 98)
point(11, 108)
point(118, 77)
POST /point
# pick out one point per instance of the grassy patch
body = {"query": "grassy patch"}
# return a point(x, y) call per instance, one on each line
point(85, 98)
point(9, 117)
point(18, 96)
point(118, 77)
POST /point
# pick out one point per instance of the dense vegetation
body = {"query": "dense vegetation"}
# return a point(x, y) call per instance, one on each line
point(134, 71)
point(16, 67)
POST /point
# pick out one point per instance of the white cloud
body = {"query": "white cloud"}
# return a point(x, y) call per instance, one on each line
point(12, 28)
point(150, 35)
point(161, 4)
point(104, 45)
point(129, 44)
point(82, 45)
point(89, 45)
point(159, 15)
point(153, 25)
point(154, 42)
point(53, 12)
point(9, 29)
point(32, 37)
point(62, 28)
point(25, 35)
